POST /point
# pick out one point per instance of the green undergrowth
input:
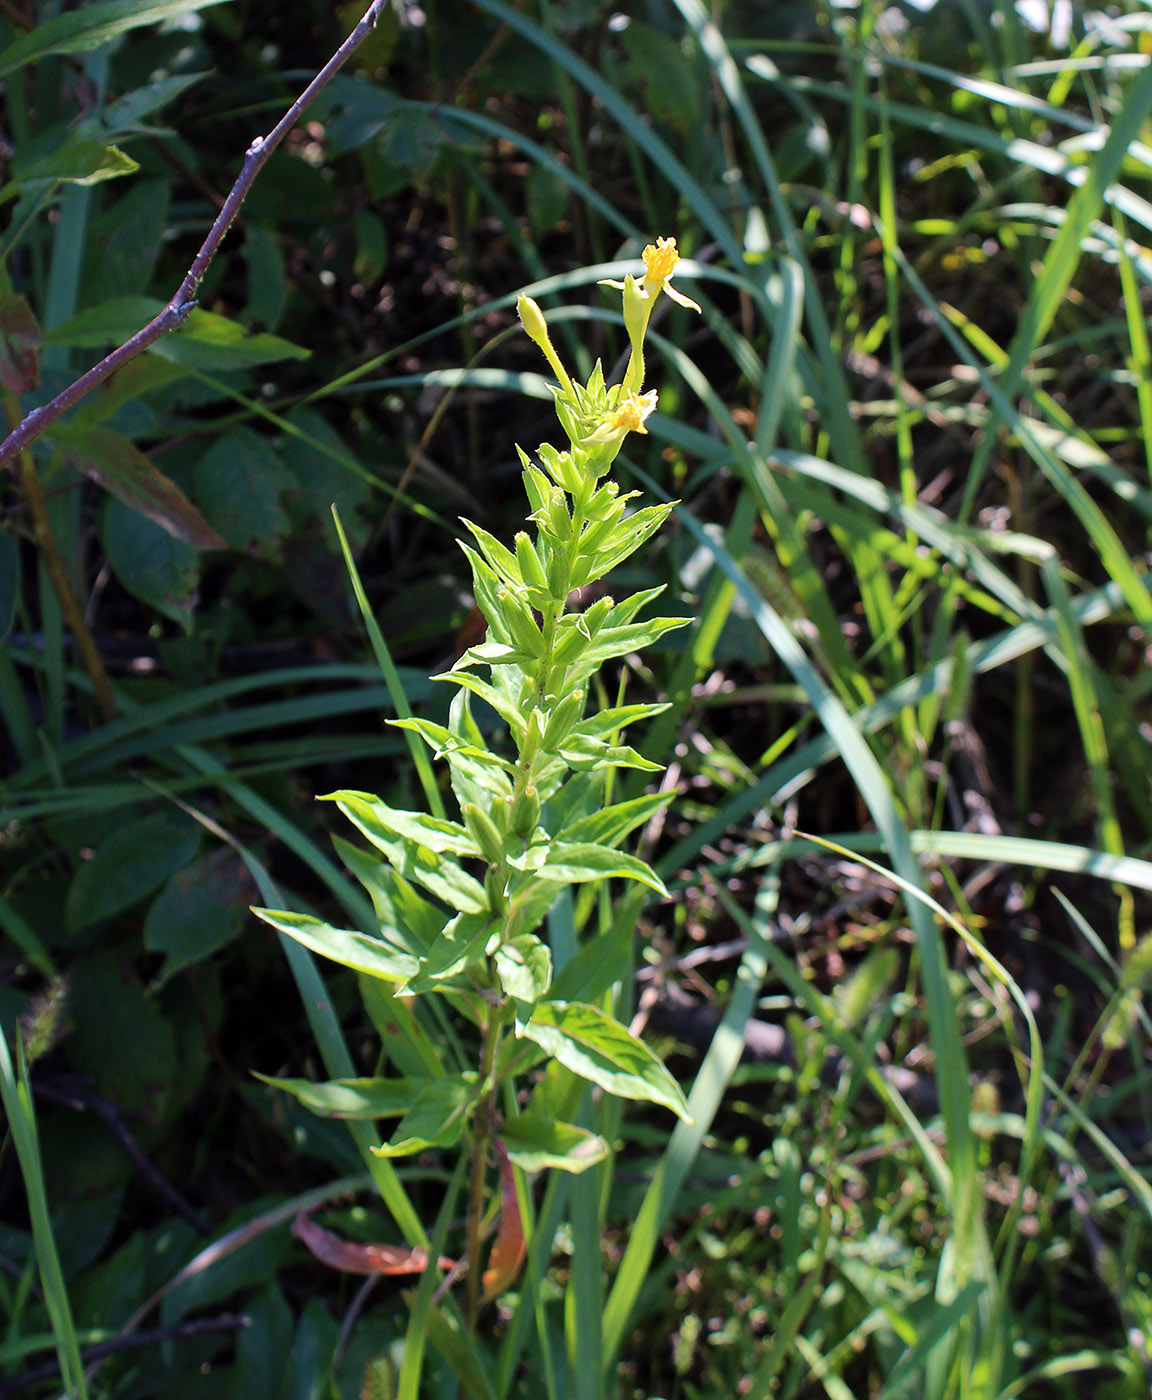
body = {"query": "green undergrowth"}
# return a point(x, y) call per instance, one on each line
point(908, 846)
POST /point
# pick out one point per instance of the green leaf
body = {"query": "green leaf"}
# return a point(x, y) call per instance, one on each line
point(356, 950)
point(438, 874)
point(267, 282)
point(524, 966)
point(594, 1046)
point(575, 862)
point(91, 26)
point(352, 1098)
point(110, 323)
point(669, 86)
point(129, 865)
point(127, 112)
point(460, 945)
point(610, 825)
point(406, 918)
point(19, 345)
point(324, 480)
point(535, 1144)
point(593, 755)
point(212, 342)
point(123, 243)
point(122, 1038)
point(374, 816)
point(436, 1119)
point(201, 909)
point(74, 163)
point(239, 482)
point(117, 464)
point(153, 566)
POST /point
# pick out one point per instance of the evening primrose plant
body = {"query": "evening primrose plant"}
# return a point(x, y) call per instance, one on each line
point(461, 903)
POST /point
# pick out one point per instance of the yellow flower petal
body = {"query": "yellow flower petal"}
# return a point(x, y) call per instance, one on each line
point(627, 418)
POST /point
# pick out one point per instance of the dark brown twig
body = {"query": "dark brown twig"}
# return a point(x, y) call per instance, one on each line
point(178, 309)
point(72, 1096)
point(179, 1331)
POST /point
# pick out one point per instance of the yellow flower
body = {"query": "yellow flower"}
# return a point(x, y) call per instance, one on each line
point(628, 417)
point(660, 259)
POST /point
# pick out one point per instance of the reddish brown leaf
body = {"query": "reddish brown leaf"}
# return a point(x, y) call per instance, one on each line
point(352, 1258)
point(19, 345)
point(507, 1256)
point(117, 464)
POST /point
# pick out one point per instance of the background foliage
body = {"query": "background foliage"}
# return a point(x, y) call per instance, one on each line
point(910, 435)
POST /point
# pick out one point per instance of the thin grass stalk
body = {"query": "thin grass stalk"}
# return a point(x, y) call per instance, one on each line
point(16, 1093)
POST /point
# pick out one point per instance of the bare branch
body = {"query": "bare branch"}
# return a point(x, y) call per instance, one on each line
point(176, 312)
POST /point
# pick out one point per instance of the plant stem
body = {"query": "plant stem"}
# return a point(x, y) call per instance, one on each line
point(485, 1117)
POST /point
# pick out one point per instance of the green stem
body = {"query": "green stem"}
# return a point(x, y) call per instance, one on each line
point(483, 1126)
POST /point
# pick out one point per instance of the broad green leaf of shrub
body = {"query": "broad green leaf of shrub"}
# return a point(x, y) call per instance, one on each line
point(350, 949)
point(123, 243)
point(436, 1119)
point(239, 483)
point(126, 867)
point(591, 1044)
point(75, 162)
point(213, 342)
point(200, 910)
point(127, 112)
point(371, 256)
point(122, 1037)
point(267, 281)
point(206, 341)
point(535, 1144)
point(151, 563)
point(91, 27)
point(117, 464)
point(263, 1348)
point(665, 79)
point(323, 480)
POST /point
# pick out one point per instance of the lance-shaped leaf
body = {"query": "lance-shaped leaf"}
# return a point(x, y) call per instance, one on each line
point(593, 1045)
point(437, 872)
point(536, 1144)
point(436, 1119)
point(576, 862)
point(460, 945)
point(445, 744)
point(509, 713)
point(352, 1257)
point(619, 641)
point(610, 825)
point(500, 559)
point(507, 1256)
point(604, 550)
point(341, 945)
point(351, 1098)
point(434, 832)
point(407, 919)
point(114, 462)
point(593, 755)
